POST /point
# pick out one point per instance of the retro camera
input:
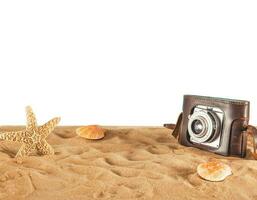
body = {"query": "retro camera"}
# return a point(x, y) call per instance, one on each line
point(214, 124)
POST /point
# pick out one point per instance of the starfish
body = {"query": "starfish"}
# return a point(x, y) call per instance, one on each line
point(33, 137)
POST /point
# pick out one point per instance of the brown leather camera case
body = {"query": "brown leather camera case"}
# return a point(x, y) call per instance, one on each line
point(233, 135)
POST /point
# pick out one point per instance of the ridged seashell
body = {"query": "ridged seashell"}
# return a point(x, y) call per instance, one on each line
point(92, 132)
point(214, 171)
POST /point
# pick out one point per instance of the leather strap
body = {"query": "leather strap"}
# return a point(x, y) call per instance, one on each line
point(175, 127)
point(251, 130)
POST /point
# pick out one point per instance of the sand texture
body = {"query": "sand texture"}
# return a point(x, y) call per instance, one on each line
point(129, 163)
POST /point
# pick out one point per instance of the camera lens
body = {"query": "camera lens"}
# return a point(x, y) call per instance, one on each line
point(197, 126)
point(203, 126)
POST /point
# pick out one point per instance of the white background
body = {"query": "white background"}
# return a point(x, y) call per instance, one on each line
point(123, 62)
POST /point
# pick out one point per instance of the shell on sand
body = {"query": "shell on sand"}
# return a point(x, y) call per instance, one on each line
point(214, 171)
point(92, 132)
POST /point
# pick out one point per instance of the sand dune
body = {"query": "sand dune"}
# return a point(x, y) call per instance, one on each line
point(129, 163)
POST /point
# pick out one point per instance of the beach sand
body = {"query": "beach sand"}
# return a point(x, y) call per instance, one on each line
point(129, 163)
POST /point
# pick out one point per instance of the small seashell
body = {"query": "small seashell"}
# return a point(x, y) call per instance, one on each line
point(92, 132)
point(214, 171)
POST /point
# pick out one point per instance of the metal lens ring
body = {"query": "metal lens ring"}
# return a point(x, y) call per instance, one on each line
point(216, 125)
point(208, 126)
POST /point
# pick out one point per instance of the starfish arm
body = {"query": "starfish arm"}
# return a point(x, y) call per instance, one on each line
point(16, 136)
point(44, 148)
point(31, 118)
point(25, 150)
point(48, 127)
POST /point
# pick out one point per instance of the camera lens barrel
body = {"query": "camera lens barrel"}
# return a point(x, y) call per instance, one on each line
point(198, 126)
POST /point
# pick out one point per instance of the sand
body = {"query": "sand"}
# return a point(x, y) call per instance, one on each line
point(129, 163)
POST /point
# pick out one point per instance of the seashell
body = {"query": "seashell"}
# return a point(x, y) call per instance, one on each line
point(92, 132)
point(214, 171)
